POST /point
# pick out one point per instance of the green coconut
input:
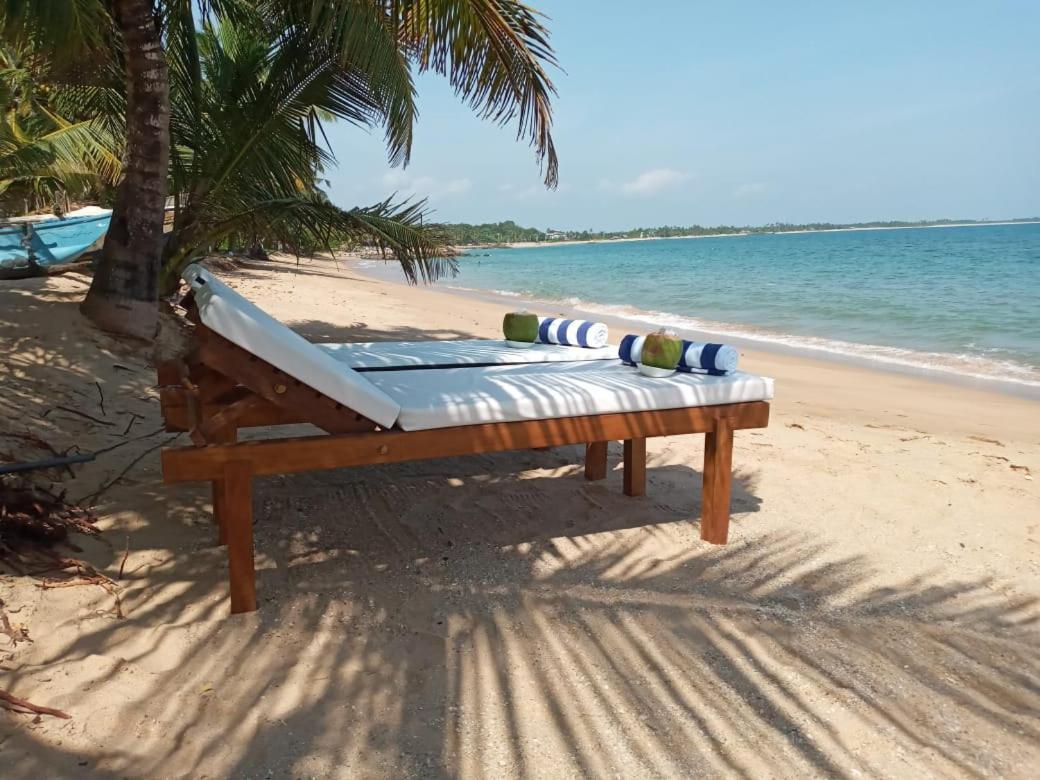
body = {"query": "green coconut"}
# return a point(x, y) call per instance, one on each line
point(520, 326)
point(661, 349)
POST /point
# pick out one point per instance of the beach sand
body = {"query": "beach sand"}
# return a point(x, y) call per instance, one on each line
point(497, 616)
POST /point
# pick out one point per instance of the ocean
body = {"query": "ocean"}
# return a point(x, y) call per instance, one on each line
point(958, 300)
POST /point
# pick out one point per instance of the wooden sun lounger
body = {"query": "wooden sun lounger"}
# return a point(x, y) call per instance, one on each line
point(221, 388)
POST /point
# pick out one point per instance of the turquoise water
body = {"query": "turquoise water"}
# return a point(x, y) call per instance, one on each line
point(962, 299)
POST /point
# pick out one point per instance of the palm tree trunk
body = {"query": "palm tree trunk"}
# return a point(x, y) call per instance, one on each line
point(123, 296)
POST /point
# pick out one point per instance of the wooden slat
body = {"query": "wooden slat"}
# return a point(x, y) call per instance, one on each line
point(213, 427)
point(635, 467)
point(212, 384)
point(262, 415)
point(285, 456)
point(220, 511)
point(266, 415)
point(275, 385)
point(237, 504)
point(718, 481)
point(170, 372)
point(595, 460)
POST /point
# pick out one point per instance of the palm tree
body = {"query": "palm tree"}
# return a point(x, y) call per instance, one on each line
point(45, 156)
point(248, 103)
point(494, 52)
point(122, 295)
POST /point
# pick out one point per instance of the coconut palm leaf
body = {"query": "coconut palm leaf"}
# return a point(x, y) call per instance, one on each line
point(252, 83)
point(65, 28)
point(44, 151)
point(494, 53)
point(360, 37)
point(401, 227)
point(308, 221)
point(42, 154)
point(248, 149)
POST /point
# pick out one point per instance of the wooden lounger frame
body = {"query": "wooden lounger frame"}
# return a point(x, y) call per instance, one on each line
point(219, 388)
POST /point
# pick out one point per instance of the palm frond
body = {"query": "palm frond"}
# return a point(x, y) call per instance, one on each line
point(65, 29)
point(421, 248)
point(362, 38)
point(494, 53)
point(44, 155)
point(308, 221)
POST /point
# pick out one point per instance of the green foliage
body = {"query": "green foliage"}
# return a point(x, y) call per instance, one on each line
point(248, 101)
point(463, 234)
point(45, 156)
point(252, 82)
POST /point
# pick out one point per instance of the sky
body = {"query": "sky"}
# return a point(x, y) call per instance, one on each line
point(685, 112)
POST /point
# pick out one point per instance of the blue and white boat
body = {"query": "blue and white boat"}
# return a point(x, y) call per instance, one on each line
point(29, 247)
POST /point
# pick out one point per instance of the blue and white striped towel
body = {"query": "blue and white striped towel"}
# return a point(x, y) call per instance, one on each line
point(572, 333)
point(696, 358)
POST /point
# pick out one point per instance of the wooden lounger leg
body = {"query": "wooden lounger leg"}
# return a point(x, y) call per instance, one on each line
point(635, 467)
point(595, 460)
point(236, 489)
point(718, 481)
point(219, 512)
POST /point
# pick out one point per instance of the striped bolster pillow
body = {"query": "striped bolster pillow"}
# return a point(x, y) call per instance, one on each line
point(696, 358)
point(572, 333)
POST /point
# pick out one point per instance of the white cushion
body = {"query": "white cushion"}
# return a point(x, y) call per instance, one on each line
point(441, 398)
point(224, 311)
point(434, 354)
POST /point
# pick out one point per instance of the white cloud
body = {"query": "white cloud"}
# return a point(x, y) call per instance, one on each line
point(750, 190)
point(653, 182)
point(517, 192)
point(424, 186)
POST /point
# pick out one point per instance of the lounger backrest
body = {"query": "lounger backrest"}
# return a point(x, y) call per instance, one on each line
point(241, 322)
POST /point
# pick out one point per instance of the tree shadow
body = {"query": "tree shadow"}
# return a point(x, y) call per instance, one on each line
point(328, 333)
point(526, 623)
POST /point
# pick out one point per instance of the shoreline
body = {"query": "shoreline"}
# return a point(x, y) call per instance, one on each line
point(574, 242)
point(826, 351)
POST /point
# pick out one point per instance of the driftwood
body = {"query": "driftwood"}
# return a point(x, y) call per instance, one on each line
point(19, 634)
point(34, 520)
point(126, 554)
point(29, 512)
point(14, 704)
point(70, 410)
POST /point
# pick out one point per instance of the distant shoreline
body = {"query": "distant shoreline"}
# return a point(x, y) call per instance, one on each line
point(573, 242)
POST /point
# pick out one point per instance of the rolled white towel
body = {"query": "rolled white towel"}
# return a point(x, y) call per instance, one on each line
point(631, 349)
point(714, 359)
point(708, 358)
point(572, 333)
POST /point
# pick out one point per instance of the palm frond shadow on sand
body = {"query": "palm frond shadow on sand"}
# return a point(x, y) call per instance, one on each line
point(505, 622)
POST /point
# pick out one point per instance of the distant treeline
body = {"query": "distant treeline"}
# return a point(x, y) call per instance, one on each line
point(507, 232)
point(492, 233)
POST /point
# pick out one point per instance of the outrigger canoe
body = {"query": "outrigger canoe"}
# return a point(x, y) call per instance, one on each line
point(30, 248)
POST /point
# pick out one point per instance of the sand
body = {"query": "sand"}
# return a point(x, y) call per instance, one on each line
point(496, 616)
